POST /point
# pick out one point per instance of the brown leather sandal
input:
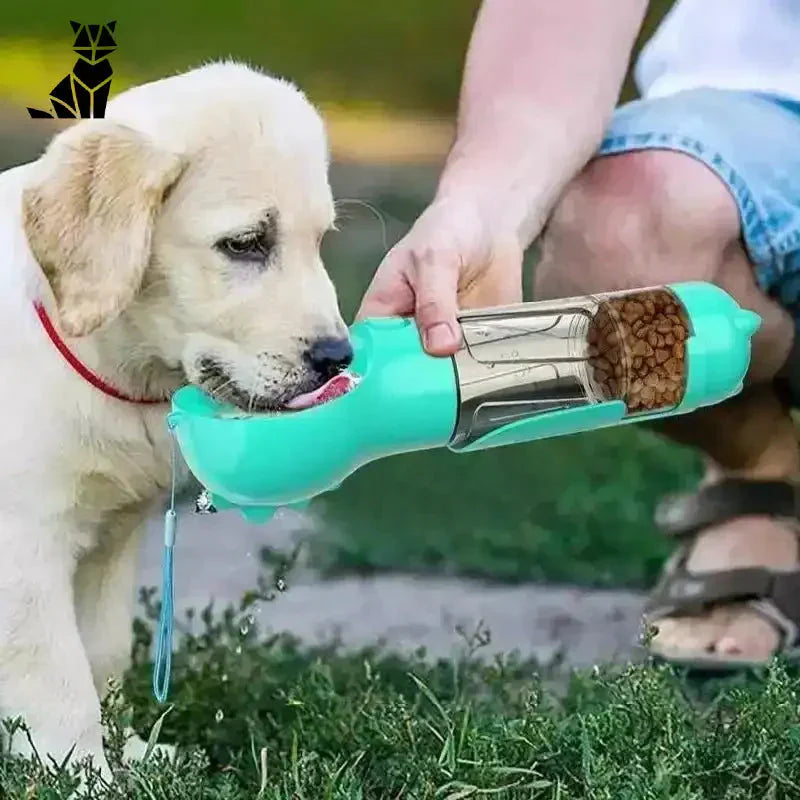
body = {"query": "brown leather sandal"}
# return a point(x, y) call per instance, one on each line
point(772, 593)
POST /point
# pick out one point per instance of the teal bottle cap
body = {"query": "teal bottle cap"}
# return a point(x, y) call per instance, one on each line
point(718, 349)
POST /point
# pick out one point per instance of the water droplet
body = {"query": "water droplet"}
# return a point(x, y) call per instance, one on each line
point(280, 585)
point(219, 716)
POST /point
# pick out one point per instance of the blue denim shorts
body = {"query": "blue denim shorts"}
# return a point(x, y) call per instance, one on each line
point(752, 142)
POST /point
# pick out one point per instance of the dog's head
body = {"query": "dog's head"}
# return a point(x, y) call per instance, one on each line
point(192, 218)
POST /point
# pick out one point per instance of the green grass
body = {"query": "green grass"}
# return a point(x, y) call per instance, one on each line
point(577, 509)
point(270, 720)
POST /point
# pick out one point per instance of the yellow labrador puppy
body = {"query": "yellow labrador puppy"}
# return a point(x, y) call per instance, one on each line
point(178, 239)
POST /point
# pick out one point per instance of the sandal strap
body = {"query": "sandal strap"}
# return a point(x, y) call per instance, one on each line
point(692, 590)
point(684, 592)
point(686, 514)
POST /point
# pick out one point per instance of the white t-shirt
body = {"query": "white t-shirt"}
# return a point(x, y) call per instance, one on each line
point(725, 44)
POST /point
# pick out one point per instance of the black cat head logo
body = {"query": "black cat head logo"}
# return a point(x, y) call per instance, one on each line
point(83, 93)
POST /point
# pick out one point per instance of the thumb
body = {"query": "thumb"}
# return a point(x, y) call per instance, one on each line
point(437, 304)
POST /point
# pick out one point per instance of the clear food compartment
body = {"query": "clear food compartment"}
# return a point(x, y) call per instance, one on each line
point(636, 351)
point(524, 360)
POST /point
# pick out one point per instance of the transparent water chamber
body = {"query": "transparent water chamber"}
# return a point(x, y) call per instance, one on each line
point(536, 358)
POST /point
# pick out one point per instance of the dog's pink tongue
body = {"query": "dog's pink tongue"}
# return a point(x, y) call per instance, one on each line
point(335, 387)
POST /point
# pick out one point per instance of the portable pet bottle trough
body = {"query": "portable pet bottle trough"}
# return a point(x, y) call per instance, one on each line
point(524, 372)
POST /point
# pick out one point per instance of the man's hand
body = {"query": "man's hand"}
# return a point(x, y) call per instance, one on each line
point(540, 83)
point(456, 255)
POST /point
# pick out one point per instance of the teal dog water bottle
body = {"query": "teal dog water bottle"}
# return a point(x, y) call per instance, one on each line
point(524, 372)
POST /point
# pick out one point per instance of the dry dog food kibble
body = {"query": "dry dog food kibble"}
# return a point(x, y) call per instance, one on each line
point(636, 350)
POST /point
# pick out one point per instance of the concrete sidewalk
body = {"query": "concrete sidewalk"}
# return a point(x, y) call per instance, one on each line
point(218, 557)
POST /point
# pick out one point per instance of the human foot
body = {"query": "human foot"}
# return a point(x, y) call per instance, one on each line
point(731, 596)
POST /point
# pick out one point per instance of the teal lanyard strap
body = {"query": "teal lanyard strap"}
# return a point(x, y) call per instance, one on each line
point(163, 659)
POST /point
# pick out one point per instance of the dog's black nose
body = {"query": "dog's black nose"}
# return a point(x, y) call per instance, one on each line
point(330, 356)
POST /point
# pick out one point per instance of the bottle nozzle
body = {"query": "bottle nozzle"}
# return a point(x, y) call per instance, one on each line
point(748, 322)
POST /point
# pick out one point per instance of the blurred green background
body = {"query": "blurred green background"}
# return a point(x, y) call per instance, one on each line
point(386, 75)
point(389, 55)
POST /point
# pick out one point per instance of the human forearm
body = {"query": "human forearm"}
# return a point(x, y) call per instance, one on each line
point(541, 80)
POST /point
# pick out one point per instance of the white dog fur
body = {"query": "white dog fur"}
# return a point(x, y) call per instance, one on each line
point(117, 229)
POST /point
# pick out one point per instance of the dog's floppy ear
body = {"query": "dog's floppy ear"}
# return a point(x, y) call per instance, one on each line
point(89, 218)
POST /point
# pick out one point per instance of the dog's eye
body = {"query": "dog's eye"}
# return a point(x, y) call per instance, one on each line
point(253, 245)
point(244, 248)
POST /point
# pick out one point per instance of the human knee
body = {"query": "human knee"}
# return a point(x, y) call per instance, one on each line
point(634, 220)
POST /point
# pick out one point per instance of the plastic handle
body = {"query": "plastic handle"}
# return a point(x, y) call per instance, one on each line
point(162, 666)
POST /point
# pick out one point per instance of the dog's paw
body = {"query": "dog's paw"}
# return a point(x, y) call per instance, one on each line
point(136, 747)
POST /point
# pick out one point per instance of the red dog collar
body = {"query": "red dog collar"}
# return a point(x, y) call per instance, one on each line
point(82, 369)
